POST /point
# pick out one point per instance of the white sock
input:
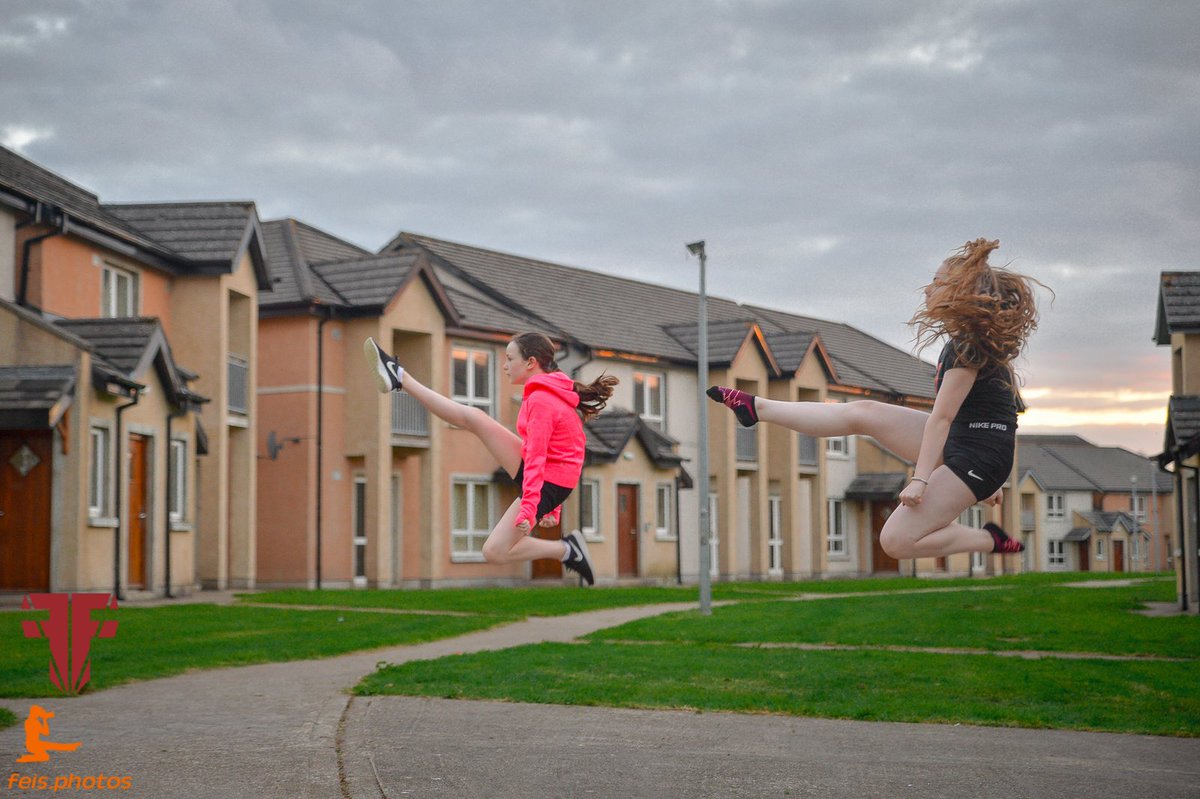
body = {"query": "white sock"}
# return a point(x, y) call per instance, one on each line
point(566, 555)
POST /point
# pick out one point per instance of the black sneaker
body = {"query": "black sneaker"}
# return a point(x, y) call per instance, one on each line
point(578, 560)
point(388, 371)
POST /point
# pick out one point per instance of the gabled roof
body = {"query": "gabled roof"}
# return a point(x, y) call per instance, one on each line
point(876, 486)
point(369, 283)
point(1106, 521)
point(791, 350)
point(1183, 428)
point(1178, 305)
point(291, 248)
point(212, 235)
point(1070, 463)
point(34, 397)
point(606, 312)
point(127, 348)
point(860, 359)
point(608, 433)
point(725, 341)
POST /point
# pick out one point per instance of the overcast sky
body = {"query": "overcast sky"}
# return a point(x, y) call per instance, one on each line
point(831, 153)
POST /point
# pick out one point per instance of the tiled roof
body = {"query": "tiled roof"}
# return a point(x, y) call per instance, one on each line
point(609, 312)
point(207, 232)
point(290, 248)
point(34, 397)
point(1178, 305)
point(790, 348)
point(128, 347)
point(20, 175)
point(368, 281)
point(1069, 463)
point(724, 339)
point(881, 486)
point(608, 433)
point(1106, 521)
point(860, 359)
point(1183, 426)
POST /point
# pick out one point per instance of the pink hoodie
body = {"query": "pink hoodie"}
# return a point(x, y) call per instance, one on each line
point(552, 442)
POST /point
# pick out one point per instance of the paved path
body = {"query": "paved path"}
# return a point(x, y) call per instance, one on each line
point(291, 730)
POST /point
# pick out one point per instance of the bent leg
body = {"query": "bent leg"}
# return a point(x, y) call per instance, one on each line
point(507, 544)
point(898, 428)
point(504, 444)
point(931, 529)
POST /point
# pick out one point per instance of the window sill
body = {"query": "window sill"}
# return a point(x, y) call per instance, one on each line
point(181, 527)
point(468, 557)
point(102, 521)
point(593, 538)
point(665, 537)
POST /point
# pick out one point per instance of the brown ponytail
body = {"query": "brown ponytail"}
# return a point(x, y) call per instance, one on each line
point(592, 396)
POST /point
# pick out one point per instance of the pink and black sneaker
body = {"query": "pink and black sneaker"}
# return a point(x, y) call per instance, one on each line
point(741, 403)
point(1001, 542)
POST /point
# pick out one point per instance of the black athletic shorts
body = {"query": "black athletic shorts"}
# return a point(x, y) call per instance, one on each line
point(981, 454)
point(552, 496)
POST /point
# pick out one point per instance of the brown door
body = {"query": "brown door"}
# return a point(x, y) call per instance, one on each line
point(1084, 548)
point(627, 531)
point(547, 568)
point(137, 512)
point(25, 479)
point(1118, 556)
point(880, 560)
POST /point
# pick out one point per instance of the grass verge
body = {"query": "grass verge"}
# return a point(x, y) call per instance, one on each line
point(7, 719)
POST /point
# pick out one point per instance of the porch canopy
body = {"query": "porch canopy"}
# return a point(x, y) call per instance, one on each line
point(35, 397)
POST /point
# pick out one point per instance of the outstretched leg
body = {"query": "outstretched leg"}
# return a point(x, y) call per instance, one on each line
point(504, 444)
point(507, 544)
point(898, 428)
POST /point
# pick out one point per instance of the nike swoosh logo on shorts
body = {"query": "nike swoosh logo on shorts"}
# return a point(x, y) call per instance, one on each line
point(971, 473)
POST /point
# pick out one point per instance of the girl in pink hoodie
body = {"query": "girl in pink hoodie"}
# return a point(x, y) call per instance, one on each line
point(545, 457)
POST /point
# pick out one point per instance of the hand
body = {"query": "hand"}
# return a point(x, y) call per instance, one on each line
point(995, 499)
point(912, 493)
point(523, 527)
point(548, 521)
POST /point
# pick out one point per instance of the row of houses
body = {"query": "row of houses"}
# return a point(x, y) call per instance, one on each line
point(183, 405)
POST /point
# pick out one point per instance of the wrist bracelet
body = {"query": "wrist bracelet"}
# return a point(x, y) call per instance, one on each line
point(919, 480)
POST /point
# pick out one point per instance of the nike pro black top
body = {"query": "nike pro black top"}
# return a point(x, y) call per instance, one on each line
point(992, 397)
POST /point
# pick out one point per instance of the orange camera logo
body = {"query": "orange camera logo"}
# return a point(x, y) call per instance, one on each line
point(70, 631)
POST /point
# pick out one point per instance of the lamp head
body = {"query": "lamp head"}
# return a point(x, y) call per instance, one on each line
point(696, 248)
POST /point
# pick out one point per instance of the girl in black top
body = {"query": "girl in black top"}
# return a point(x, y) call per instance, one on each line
point(964, 447)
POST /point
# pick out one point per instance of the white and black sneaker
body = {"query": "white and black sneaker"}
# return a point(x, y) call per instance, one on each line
point(388, 371)
point(578, 559)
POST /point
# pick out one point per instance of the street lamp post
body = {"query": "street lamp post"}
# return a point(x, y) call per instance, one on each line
point(697, 248)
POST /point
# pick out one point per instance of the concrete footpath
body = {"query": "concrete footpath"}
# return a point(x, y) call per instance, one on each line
point(291, 730)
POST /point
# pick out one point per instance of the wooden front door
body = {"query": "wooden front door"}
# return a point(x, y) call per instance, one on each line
point(25, 482)
point(1118, 556)
point(627, 531)
point(880, 560)
point(138, 523)
point(547, 568)
point(1084, 548)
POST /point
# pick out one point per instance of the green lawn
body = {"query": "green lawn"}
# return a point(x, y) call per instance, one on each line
point(159, 642)
point(695, 662)
point(7, 719)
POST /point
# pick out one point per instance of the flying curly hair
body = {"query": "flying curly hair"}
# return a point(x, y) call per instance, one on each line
point(987, 311)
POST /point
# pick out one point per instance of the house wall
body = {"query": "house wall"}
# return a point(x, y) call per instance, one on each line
point(8, 255)
point(1159, 521)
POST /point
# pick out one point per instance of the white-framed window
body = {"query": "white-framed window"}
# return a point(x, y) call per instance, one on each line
point(100, 477)
point(472, 377)
point(648, 397)
point(662, 510)
point(1139, 508)
point(714, 538)
point(1055, 506)
point(472, 506)
point(977, 561)
point(177, 492)
point(774, 535)
point(837, 527)
point(1135, 548)
point(589, 508)
point(118, 293)
point(1099, 548)
point(837, 446)
point(360, 531)
point(972, 517)
point(1056, 553)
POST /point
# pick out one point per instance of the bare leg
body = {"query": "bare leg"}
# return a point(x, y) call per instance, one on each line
point(898, 428)
point(504, 444)
point(507, 544)
point(931, 529)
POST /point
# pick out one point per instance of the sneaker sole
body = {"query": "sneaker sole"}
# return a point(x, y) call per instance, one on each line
point(587, 558)
point(371, 353)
